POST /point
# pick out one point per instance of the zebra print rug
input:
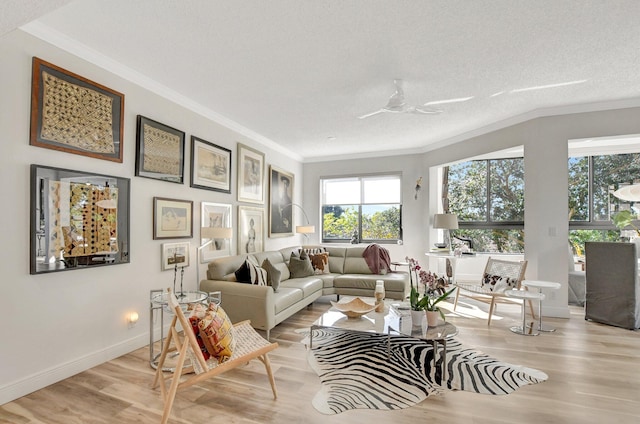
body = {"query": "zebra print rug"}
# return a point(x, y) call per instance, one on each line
point(358, 372)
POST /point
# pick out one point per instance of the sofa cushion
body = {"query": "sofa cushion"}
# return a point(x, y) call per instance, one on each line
point(300, 266)
point(308, 285)
point(277, 260)
point(354, 262)
point(393, 282)
point(287, 297)
point(273, 274)
point(336, 258)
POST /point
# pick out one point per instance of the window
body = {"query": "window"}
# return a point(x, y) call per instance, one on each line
point(488, 197)
point(592, 181)
point(368, 207)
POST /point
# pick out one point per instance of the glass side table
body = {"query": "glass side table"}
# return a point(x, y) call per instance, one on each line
point(159, 303)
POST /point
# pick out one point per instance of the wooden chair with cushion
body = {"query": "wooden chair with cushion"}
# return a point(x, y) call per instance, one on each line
point(498, 277)
point(248, 345)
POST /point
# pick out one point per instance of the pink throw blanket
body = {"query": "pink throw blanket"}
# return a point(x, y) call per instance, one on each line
point(377, 258)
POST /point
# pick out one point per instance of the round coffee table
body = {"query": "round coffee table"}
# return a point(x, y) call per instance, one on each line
point(525, 295)
point(541, 285)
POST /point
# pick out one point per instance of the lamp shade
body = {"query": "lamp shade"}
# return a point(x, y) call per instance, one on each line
point(448, 221)
point(630, 193)
point(306, 229)
point(216, 232)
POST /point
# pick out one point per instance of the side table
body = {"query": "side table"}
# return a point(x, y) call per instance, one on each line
point(158, 302)
point(524, 295)
point(541, 285)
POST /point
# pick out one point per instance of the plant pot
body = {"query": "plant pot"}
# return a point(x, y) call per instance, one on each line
point(432, 318)
point(417, 317)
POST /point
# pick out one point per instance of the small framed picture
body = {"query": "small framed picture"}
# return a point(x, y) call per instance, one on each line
point(172, 218)
point(216, 226)
point(210, 166)
point(159, 151)
point(175, 255)
point(250, 229)
point(280, 203)
point(75, 115)
point(250, 175)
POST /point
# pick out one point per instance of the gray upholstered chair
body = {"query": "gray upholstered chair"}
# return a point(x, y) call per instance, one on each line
point(577, 283)
point(613, 293)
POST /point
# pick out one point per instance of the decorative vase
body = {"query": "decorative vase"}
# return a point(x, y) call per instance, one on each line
point(416, 318)
point(432, 318)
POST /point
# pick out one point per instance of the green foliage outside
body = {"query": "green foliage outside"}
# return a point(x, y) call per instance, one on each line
point(339, 222)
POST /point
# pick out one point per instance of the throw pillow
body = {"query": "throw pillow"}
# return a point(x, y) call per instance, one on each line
point(273, 274)
point(300, 266)
point(320, 262)
point(258, 275)
point(497, 283)
point(197, 313)
point(243, 274)
point(216, 332)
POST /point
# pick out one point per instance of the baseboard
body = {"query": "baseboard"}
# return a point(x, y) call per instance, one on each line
point(57, 373)
point(555, 311)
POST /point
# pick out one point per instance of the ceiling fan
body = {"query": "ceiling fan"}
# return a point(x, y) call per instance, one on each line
point(397, 104)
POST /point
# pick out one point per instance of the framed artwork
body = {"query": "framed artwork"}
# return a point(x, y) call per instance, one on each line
point(175, 255)
point(159, 151)
point(280, 203)
point(250, 229)
point(210, 166)
point(78, 219)
point(218, 216)
point(75, 115)
point(172, 218)
point(250, 175)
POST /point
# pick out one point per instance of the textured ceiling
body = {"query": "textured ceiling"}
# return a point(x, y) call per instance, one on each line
point(299, 73)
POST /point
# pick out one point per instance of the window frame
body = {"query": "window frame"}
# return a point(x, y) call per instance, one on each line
point(359, 206)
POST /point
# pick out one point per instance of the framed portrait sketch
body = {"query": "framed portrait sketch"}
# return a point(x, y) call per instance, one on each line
point(250, 229)
point(75, 115)
point(216, 226)
point(250, 175)
point(280, 203)
point(172, 218)
point(175, 255)
point(159, 151)
point(210, 166)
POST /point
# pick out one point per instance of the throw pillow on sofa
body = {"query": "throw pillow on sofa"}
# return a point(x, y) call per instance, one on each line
point(251, 273)
point(243, 275)
point(320, 262)
point(300, 266)
point(274, 275)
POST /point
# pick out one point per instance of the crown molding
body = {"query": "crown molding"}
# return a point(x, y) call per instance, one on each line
point(76, 48)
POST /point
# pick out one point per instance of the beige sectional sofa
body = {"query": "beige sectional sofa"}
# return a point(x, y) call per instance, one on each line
point(348, 274)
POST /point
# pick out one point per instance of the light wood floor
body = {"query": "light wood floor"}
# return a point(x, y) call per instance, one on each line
point(594, 377)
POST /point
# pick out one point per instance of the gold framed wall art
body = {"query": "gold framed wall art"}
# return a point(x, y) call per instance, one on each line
point(73, 114)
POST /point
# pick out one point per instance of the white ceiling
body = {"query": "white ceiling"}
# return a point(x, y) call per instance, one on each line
point(298, 73)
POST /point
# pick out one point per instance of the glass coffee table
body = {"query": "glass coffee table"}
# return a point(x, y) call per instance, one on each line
point(394, 320)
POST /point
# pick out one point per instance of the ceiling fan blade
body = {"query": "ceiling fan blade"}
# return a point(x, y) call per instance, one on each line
point(371, 114)
point(426, 110)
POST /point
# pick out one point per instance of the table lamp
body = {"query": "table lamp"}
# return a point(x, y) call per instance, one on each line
point(447, 222)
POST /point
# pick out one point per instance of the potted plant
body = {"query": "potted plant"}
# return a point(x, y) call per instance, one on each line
point(625, 219)
point(433, 293)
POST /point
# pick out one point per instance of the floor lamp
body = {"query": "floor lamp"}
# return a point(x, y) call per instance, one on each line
point(303, 229)
point(447, 222)
point(211, 233)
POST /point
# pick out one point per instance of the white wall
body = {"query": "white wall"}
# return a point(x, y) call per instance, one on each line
point(546, 206)
point(55, 325)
